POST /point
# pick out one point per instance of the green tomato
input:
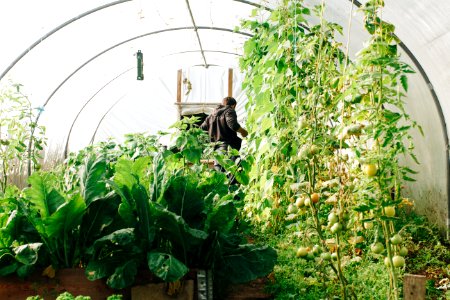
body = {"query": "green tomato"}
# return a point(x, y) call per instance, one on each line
point(325, 256)
point(302, 123)
point(336, 227)
point(292, 209)
point(310, 256)
point(333, 218)
point(398, 261)
point(377, 248)
point(396, 239)
point(308, 83)
point(316, 249)
point(403, 251)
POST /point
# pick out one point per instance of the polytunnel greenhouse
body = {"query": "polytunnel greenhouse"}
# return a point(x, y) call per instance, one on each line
point(224, 149)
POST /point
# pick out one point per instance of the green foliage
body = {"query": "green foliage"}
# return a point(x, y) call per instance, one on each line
point(119, 214)
point(69, 296)
point(326, 134)
point(165, 266)
point(21, 139)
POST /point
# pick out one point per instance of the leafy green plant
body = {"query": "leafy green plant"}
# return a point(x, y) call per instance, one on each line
point(21, 140)
point(120, 215)
point(69, 296)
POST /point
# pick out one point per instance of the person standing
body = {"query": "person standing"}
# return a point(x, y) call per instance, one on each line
point(222, 127)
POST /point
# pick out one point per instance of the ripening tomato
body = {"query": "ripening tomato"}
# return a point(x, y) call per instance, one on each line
point(300, 202)
point(315, 197)
point(368, 225)
point(370, 170)
point(302, 252)
point(307, 202)
point(389, 211)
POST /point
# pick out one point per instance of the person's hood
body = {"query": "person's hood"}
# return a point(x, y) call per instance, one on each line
point(219, 110)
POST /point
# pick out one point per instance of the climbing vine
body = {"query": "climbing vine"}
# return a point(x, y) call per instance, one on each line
point(326, 135)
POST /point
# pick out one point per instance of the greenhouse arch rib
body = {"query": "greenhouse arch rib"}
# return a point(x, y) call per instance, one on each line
point(103, 117)
point(439, 109)
point(66, 147)
point(129, 40)
point(116, 45)
point(48, 34)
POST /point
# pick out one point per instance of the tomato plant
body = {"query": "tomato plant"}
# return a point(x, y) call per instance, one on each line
point(328, 132)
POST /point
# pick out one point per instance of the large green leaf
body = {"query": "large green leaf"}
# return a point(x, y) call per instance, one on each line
point(175, 229)
point(126, 212)
point(24, 270)
point(8, 221)
point(8, 263)
point(66, 218)
point(9, 269)
point(42, 195)
point(123, 275)
point(127, 207)
point(122, 237)
point(27, 254)
point(92, 177)
point(222, 218)
point(165, 266)
point(97, 269)
point(157, 185)
point(246, 263)
point(99, 215)
point(184, 198)
point(123, 175)
point(129, 173)
point(141, 199)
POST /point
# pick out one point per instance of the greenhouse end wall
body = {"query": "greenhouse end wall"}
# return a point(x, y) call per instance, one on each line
point(429, 192)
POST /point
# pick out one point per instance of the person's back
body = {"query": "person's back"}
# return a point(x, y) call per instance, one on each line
point(222, 127)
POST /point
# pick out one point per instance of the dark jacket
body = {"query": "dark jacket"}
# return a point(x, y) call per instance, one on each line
point(222, 126)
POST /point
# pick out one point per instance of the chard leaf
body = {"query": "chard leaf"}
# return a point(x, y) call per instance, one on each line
point(97, 269)
point(123, 275)
point(42, 195)
point(129, 173)
point(165, 266)
point(98, 216)
point(92, 177)
point(141, 200)
point(222, 218)
point(27, 254)
point(66, 218)
point(175, 229)
point(119, 238)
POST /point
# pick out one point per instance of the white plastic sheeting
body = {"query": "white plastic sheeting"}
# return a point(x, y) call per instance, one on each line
point(85, 72)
